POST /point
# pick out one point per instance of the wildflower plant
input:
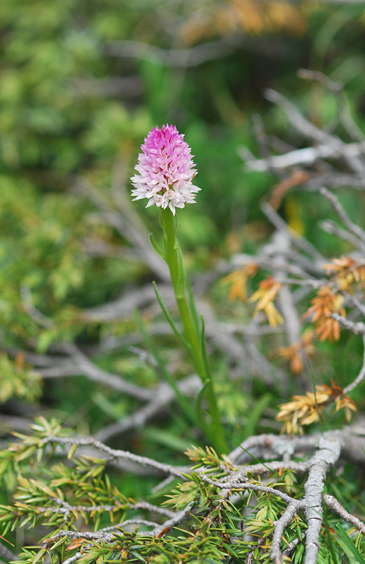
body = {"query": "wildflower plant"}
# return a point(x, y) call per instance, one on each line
point(166, 171)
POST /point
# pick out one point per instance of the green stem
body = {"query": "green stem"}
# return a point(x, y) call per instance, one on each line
point(178, 281)
point(178, 277)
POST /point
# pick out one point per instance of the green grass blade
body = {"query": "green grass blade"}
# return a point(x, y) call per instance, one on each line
point(329, 537)
point(255, 414)
point(349, 546)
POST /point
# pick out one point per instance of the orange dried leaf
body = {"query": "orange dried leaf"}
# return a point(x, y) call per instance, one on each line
point(347, 273)
point(326, 302)
point(238, 279)
point(265, 295)
point(75, 544)
point(304, 410)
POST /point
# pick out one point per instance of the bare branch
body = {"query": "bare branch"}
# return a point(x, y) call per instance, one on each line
point(298, 467)
point(73, 558)
point(335, 505)
point(268, 446)
point(279, 528)
point(302, 157)
point(335, 180)
point(291, 546)
point(176, 520)
point(304, 126)
point(295, 239)
point(107, 537)
point(66, 508)
point(353, 300)
point(356, 327)
point(328, 453)
point(352, 227)
point(337, 88)
point(178, 58)
point(93, 372)
point(127, 223)
point(124, 306)
point(115, 454)
point(333, 229)
point(162, 397)
point(235, 485)
point(308, 129)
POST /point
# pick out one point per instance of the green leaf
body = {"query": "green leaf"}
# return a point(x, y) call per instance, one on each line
point(158, 249)
point(38, 556)
point(329, 537)
point(255, 415)
point(72, 451)
point(348, 545)
point(170, 320)
point(59, 542)
point(138, 556)
point(26, 453)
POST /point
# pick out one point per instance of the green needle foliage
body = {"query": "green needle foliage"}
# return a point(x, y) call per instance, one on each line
point(60, 495)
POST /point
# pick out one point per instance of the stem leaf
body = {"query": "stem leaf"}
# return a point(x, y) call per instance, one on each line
point(183, 402)
point(158, 249)
point(179, 335)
